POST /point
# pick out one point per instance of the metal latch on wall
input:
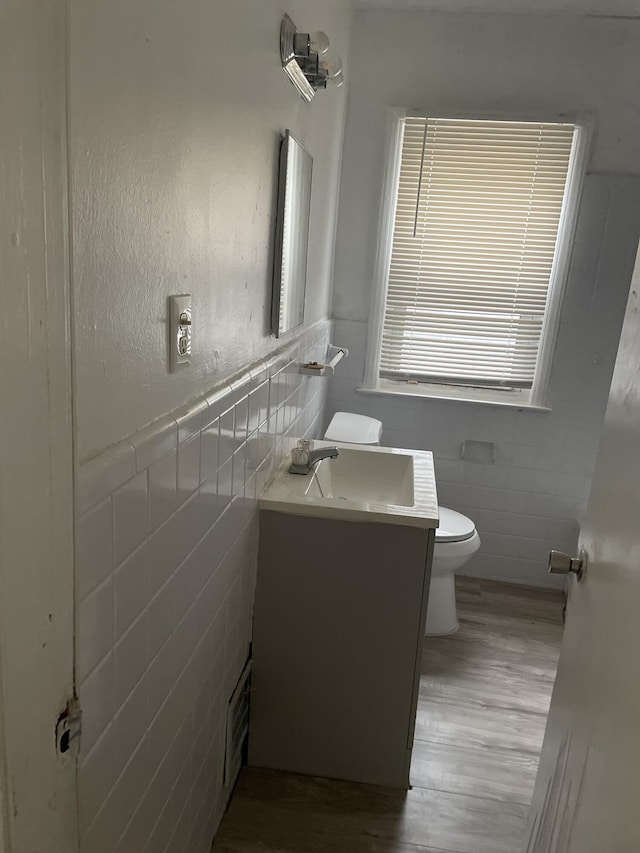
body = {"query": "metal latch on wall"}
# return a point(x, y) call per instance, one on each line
point(68, 730)
point(180, 331)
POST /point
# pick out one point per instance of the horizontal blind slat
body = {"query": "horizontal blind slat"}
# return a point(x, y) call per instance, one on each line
point(477, 212)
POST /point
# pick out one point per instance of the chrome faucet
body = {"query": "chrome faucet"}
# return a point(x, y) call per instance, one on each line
point(304, 457)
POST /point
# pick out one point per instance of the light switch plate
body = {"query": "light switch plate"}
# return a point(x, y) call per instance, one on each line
point(180, 331)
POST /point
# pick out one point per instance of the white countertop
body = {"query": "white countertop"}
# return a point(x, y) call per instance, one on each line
point(288, 492)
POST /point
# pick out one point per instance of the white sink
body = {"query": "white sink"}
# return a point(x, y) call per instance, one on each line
point(363, 483)
point(378, 478)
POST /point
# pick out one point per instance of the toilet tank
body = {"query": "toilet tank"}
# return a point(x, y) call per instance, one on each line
point(354, 429)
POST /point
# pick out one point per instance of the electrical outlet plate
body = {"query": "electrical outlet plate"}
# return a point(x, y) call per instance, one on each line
point(482, 452)
point(180, 331)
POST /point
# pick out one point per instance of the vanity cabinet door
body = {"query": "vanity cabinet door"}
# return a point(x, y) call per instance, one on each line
point(339, 616)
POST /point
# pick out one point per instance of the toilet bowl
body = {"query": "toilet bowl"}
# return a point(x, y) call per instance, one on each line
point(456, 542)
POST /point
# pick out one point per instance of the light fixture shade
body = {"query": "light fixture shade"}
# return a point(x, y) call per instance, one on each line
point(307, 60)
point(319, 42)
point(337, 81)
point(331, 64)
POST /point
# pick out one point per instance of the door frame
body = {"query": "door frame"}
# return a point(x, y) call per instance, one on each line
point(38, 787)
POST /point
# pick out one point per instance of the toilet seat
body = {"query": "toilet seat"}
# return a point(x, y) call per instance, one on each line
point(454, 527)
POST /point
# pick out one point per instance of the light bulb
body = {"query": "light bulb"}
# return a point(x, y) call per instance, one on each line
point(336, 81)
point(319, 42)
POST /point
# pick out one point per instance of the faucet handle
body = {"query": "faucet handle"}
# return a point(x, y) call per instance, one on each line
point(300, 453)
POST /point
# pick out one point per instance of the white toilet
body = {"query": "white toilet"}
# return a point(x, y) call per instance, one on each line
point(456, 539)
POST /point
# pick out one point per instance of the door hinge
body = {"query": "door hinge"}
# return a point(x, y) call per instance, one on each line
point(68, 730)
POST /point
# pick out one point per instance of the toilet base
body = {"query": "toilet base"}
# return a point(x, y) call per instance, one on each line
point(441, 610)
point(443, 633)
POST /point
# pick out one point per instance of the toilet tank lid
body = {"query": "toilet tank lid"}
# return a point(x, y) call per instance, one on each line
point(354, 429)
point(454, 526)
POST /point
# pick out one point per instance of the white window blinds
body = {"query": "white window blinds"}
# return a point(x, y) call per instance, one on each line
point(475, 232)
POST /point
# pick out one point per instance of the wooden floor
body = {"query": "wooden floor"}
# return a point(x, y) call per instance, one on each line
point(484, 696)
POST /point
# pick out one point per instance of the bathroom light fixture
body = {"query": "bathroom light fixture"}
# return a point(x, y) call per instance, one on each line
point(308, 60)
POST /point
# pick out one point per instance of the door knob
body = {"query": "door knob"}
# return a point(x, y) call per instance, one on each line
point(561, 564)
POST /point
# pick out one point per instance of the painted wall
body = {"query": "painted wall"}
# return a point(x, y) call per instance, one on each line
point(177, 108)
point(533, 497)
point(176, 114)
point(165, 573)
point(466, 62)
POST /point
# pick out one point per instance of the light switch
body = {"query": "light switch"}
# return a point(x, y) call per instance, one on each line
point(180, 331)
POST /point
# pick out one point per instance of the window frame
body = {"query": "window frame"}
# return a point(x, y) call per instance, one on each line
point(536, 397)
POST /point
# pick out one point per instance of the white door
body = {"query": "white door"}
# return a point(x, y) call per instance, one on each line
point(37, 788)
point(587, 794)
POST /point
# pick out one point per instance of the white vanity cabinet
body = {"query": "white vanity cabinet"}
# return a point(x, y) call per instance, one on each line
point(339, 621)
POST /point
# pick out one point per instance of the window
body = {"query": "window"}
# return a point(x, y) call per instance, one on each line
point(479, 218)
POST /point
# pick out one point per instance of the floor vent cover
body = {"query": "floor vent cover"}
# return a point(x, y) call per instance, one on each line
point(237, 725)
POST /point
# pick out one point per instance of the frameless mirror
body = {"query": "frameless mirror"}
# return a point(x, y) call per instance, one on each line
point(292, 236)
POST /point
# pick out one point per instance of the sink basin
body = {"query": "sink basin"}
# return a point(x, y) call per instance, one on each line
point(377, 478)
point(364, 483)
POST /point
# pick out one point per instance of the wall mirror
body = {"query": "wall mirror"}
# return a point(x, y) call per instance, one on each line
point(292, 236)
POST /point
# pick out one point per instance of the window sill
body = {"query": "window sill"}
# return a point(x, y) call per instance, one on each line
point(517, 399)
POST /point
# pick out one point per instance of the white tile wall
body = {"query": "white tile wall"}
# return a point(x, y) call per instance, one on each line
point(166, 555)
point(533, 497)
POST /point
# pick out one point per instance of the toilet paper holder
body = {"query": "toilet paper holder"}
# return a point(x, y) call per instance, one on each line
point(334, 356)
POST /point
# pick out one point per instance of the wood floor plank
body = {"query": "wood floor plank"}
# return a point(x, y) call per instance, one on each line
point(503, 635)
point(238, 839)
point(518, 592)
point(507, 689)
point(493, 773)
point(459, 725)
point(466, 654)
point(479, 649)
point(539, 608)
point(467, 585)
point(449, 822)
point(484, 694)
